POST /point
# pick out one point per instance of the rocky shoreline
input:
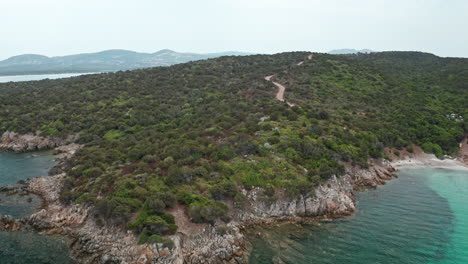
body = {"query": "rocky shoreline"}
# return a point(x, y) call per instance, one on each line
point(91, 243)
point(11, 141)
point(193, 243)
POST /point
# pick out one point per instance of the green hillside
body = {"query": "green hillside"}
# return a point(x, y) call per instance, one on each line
point(197, 133)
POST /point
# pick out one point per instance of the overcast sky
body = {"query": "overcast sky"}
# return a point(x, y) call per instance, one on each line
point(61, 27)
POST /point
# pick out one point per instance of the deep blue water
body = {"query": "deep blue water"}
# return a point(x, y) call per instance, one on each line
point(421, 217)
point(27, 247)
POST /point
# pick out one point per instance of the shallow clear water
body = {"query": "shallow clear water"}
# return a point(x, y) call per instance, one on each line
point(421, 217)
point(14, 167)
point(36, 77)
point(27, 247)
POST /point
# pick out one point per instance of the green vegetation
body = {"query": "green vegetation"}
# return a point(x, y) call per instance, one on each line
point(195, 134)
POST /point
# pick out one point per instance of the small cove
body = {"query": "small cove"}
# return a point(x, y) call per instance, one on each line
point(27, 247)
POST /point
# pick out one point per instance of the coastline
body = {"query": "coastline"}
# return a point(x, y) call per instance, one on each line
point(432, 162)
point(419, 159)
point(91, 243)
point(195, 243)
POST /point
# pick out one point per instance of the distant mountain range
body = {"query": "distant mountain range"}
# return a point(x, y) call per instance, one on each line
point(109, 60)
point(349, 51)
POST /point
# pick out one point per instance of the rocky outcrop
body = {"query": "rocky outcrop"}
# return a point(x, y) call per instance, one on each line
point(93, 243)
point(65, 152)
point(15, 142)
point(210, 246)
point(8, 223)
point(335, 198)
point(21, 190)
point(374, 176)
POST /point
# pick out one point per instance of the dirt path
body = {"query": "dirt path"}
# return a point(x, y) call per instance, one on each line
point(185, 225)
point(282, 88)
point(463, 156)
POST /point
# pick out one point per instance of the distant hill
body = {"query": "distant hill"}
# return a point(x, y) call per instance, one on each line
point(349, 51)
point(109, 60)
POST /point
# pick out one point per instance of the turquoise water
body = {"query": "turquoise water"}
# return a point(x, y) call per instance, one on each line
point(421, 217)
point(453, 186)
point(27, 247)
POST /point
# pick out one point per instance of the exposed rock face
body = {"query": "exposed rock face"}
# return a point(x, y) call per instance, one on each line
point(210, 246)
point(65, 152)
point(333, 199)
point(15, 142)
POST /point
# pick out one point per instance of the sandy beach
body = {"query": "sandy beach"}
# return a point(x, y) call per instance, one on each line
point(429, 160)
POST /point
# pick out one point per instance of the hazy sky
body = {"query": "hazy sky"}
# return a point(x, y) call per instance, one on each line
point(61, 27)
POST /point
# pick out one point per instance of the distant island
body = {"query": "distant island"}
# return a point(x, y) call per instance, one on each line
point(104, 61)
point(350, 51)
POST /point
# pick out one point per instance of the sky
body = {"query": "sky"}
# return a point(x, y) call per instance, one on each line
point(63, 27)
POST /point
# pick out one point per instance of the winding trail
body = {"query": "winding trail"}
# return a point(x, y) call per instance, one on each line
point(282, 88)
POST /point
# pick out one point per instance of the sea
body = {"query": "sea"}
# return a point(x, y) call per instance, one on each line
point(421, 217)
point(27, 247)
point(37, 77)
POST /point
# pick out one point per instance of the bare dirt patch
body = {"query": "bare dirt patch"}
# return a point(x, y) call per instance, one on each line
point(183, 222)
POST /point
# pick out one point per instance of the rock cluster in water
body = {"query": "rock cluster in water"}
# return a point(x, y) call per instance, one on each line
point(8, 223)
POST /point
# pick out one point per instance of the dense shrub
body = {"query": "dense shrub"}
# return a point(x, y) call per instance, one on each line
point(223, 190)
point(208, 212)
point(196, 132)
point(152, 224)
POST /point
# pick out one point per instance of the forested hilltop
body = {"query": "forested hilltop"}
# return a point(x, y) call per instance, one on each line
point(197, 133)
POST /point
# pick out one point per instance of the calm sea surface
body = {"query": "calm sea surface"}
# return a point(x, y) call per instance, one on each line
point(22, 78)
point(421, 217)
point(27, 247)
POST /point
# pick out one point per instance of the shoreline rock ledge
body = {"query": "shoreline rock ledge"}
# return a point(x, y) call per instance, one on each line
point(11, 141)
point(93, 243)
